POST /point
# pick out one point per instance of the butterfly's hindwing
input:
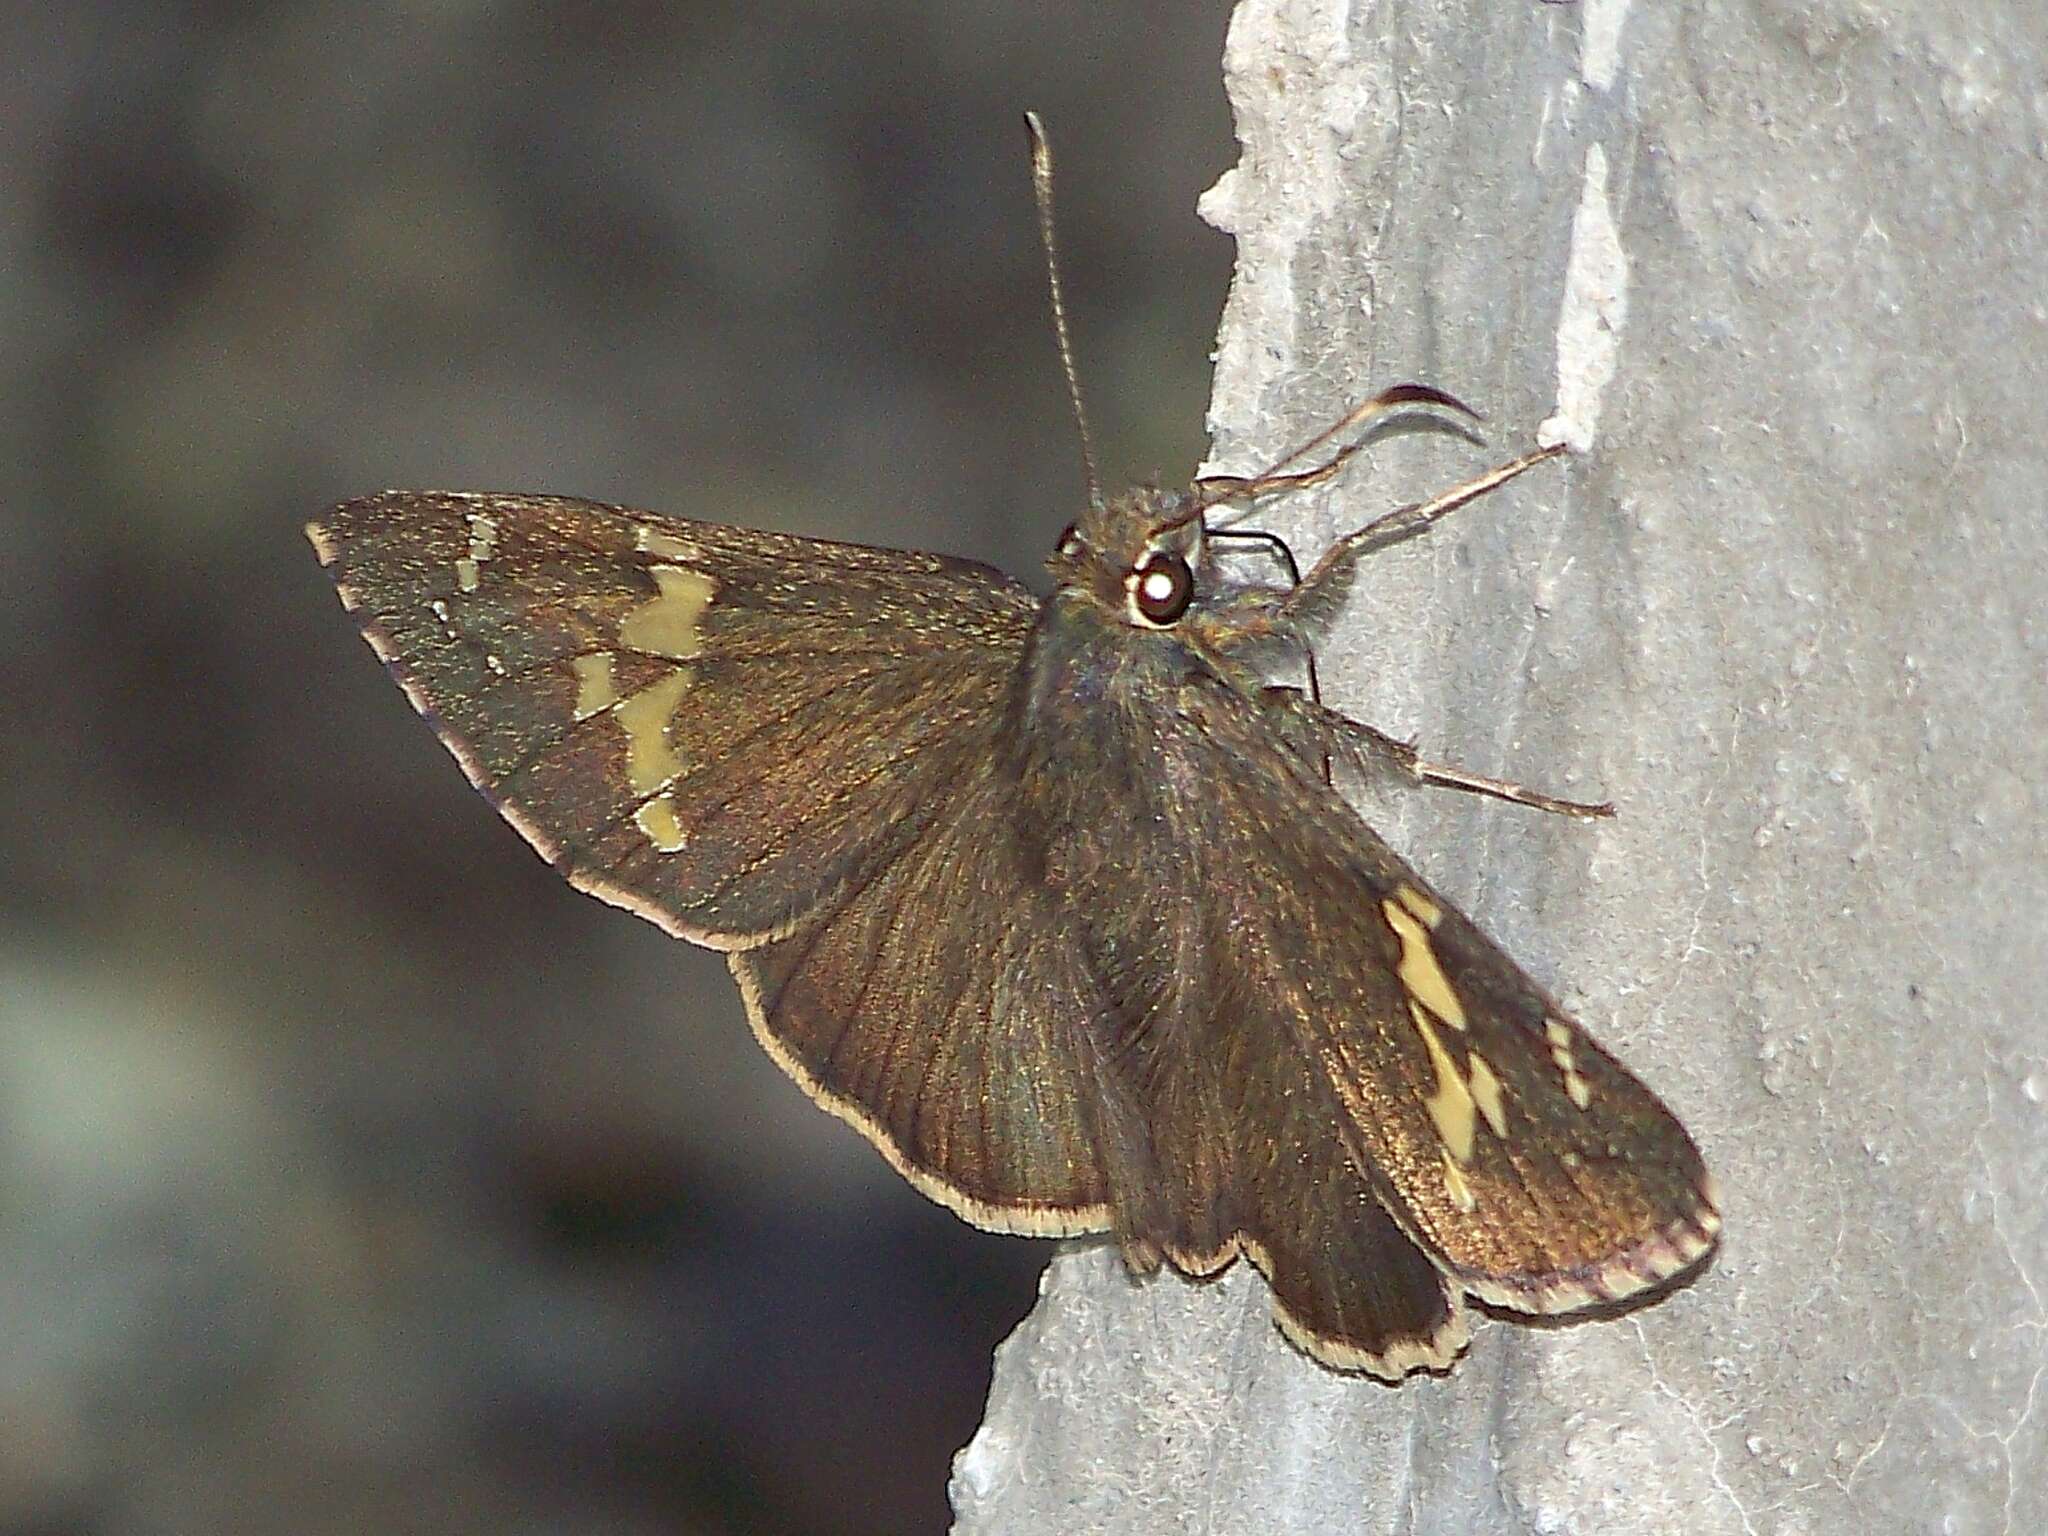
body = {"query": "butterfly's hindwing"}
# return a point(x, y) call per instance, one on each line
point(710, 725)
point(938, 1007)
point(1349, 1285)
point(1238, 1148)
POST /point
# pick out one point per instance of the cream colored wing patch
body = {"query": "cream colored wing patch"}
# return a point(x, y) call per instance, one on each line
point(595, 692)
point(657, 819)
point(1450, 1107)
point(483, 543)
point(1576, 1088)
point(652, 762)
point(1462, 1098)
point(667, 624)
point(1411, 915)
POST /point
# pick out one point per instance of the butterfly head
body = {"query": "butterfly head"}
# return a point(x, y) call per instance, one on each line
point(1140, 556)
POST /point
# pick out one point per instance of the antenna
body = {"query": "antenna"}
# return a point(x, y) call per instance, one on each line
point(1396, 397)
point(1041, 184)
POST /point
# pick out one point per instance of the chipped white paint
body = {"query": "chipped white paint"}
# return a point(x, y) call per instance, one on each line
point(1595, 309)
point(986, 1460)
point(1600, 24)
point(1330, 137)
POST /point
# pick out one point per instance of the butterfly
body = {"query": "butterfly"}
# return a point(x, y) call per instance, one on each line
point(1053, 900)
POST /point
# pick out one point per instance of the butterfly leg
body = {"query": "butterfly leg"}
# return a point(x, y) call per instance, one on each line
point(1504, 789)
point(1309, 606)
point(1340, 736)
point(1305, 612)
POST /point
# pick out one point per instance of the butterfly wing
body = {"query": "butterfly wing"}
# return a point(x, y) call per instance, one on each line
point(781, 748)
point(712, 726)
point(941, 1008)
point(1338, 1074)
point(1261, 1034)
point(1522, 1157)
point(1157, 846)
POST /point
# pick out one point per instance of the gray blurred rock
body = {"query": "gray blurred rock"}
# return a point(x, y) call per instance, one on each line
point(1776, 269)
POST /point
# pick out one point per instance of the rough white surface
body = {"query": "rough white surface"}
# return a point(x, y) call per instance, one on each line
point(1600, 41)
point(1590, 322)
point(1792, 613)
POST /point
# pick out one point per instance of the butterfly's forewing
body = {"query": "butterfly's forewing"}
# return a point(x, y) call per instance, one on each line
point(712, 726)
point(1523, 1158)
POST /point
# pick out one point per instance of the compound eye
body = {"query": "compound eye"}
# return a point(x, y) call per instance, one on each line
point(1161, 587)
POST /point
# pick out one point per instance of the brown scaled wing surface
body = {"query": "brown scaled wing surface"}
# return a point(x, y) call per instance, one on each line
point(780, 748)
point(794, 752)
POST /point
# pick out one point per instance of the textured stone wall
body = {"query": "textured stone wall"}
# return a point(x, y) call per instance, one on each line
point(1776, 270)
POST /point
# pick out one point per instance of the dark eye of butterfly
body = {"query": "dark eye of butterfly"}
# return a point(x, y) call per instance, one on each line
point(1161, 587)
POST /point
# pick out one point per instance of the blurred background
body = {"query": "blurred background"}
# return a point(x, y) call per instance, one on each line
point(355, 1174)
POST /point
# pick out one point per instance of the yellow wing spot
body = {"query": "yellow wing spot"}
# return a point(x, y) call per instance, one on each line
point(667, 623)
point(1419, 971)
point(1450, 1107)
point(1457, 1186)
point(1428, 911)
point(1576, 1088)
point(657, 818)
point(651, 761)
point(595, 692)
point(652, 541)
point(1487, 1093)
